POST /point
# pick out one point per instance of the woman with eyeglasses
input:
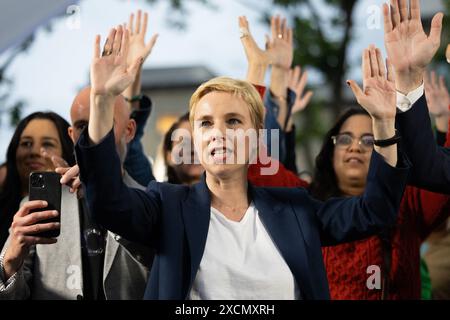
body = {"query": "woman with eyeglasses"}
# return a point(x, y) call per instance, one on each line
point(357, 270)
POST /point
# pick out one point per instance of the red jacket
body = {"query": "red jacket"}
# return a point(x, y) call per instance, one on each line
point(346, 264)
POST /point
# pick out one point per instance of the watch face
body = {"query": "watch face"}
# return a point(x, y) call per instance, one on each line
point(94, 241)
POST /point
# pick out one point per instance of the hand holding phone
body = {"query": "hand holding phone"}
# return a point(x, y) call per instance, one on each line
point(46, 186)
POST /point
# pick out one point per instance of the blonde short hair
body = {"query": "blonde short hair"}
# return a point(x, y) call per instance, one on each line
point(239, 88)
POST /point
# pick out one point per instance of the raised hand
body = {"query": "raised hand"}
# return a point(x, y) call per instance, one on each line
point(409, 49)
point(70, 177)
point(378, 96)
point(280, 46)
point(438, 98)
point(252, 51)
point(278, 52)
point(137, 47)
point(297, 83)
point(379, 99)
point(110, 72)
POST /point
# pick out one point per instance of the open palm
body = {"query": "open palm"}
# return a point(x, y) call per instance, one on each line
point(110, 72)
point(407, 45)
point(379, 94)
point(137, 46)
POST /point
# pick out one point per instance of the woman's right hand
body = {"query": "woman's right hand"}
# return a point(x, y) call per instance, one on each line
point(25, 226)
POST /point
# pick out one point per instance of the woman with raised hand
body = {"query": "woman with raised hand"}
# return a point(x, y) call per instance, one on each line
point(223, 238)
point(385, 265)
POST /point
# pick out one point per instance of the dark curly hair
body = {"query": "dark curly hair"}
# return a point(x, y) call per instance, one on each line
point(10, 195)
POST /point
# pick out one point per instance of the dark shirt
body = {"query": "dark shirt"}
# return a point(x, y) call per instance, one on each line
point(136, 162)
point(93, 241)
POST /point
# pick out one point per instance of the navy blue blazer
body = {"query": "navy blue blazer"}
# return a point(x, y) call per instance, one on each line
point(430, 163)
point(174, 219)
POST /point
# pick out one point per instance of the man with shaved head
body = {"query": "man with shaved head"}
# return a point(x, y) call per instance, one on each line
point(87, 261)
point(124, 126)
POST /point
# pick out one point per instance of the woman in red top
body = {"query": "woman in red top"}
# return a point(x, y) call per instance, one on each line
point(341, 170)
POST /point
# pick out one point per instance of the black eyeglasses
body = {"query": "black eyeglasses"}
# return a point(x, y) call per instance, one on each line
point(345, 139)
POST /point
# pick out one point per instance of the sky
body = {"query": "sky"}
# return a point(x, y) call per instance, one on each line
point(49, 75)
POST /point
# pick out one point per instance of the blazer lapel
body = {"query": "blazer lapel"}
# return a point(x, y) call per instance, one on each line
point(196, 216)
point(285, 230)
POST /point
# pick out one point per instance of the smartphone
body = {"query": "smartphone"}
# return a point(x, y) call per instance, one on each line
point(46, 186)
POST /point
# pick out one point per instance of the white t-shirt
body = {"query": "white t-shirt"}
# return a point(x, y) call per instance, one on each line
point(241, 261)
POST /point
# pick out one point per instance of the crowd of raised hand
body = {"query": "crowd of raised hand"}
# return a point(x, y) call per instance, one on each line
point(379, 189)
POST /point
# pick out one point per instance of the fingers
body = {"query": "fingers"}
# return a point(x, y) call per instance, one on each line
point(415, 9)
point(30, 205)
point(381, 66)
point(96, 47)
point(290, 36)
point(366, 65)
point(395, 14)
point(35, 217)
point(275, 26)
point(387, 19)
point(357, 91)
point(107, 48)
point(76, 184)
point(302, 102)
point(436, 29)
point(124, 43)
point(62, 170)
point(390, 70)
point(151, 44)
point(246, 37)
point(243, 23)
point(375, 71)
point(131, 24)
point(144, 25)
point(295, 77)
point(138, 21)
point(403, 10)
point(56, 160)
point(117, 41)
point(307, 97)
point(29, 240)
point(70, 174)
point(301, 84)
point(283, 30)
point(38, 228)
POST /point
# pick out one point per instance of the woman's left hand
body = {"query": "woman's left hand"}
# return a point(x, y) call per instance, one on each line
point(379, 94)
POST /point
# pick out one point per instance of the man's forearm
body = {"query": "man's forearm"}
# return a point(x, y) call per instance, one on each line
point(101, 117)
point(134, 90)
